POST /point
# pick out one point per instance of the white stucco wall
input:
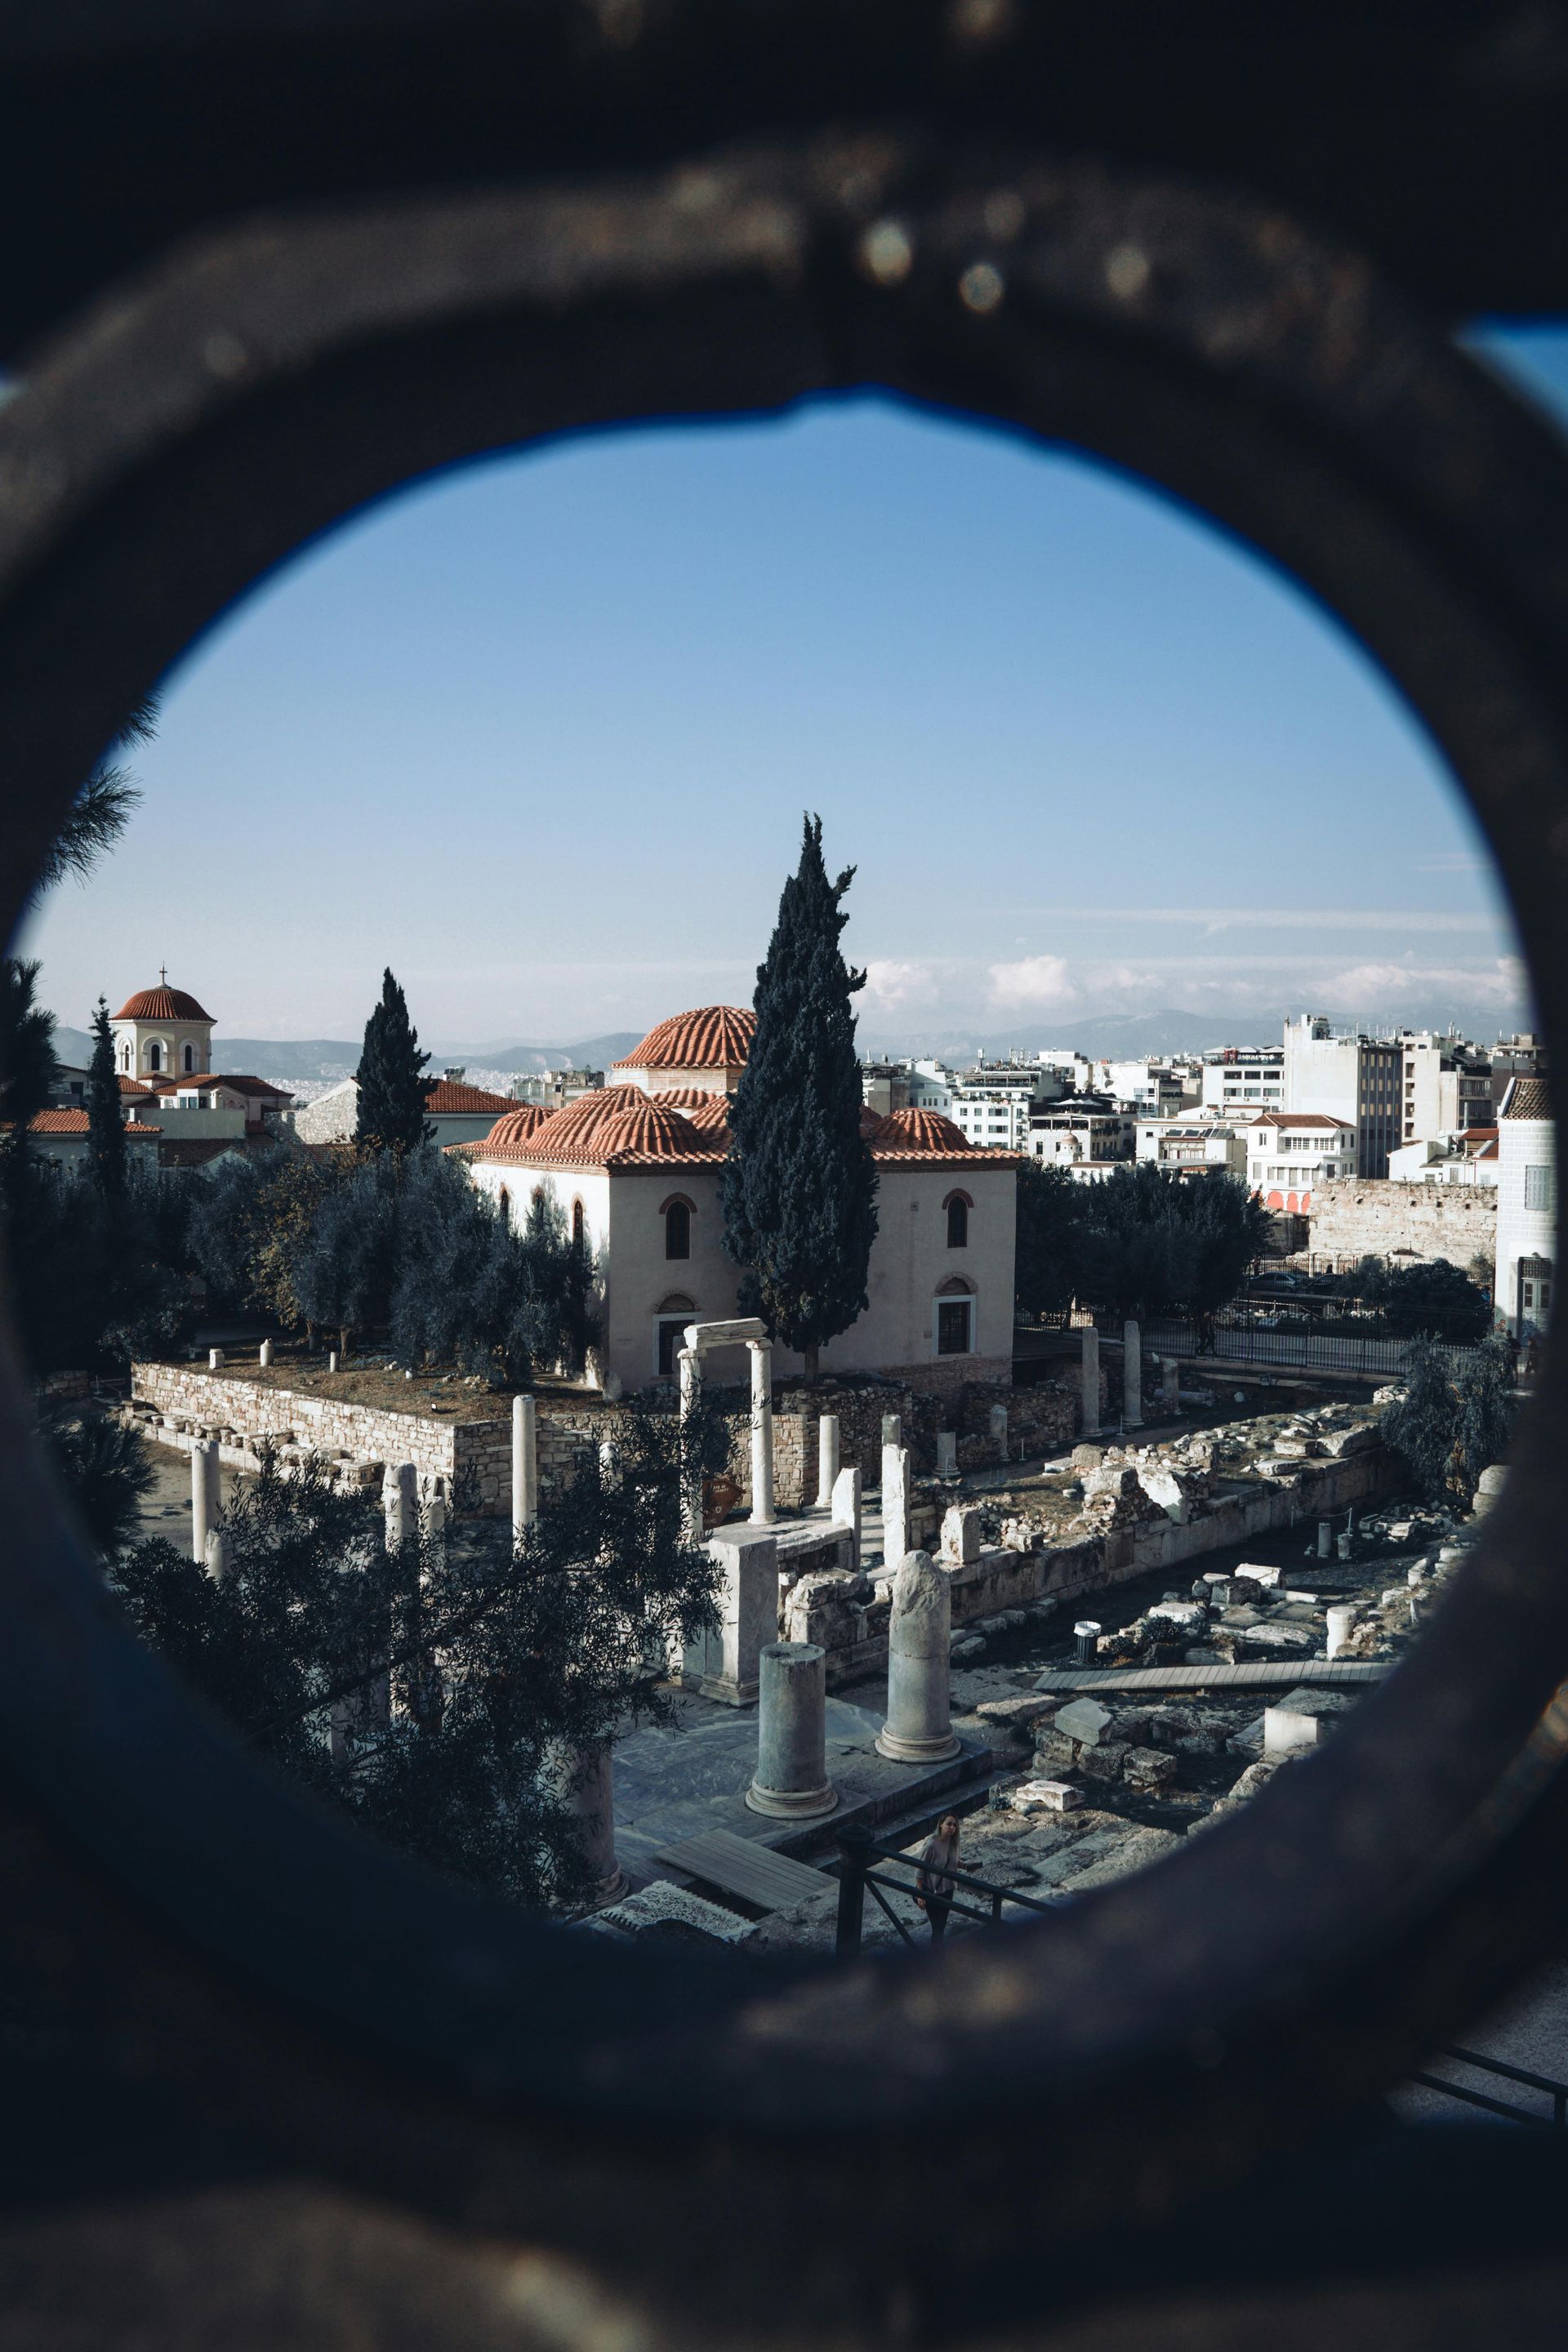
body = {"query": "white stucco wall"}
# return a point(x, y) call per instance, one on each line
point(624, 1218)
point(1524, 1231)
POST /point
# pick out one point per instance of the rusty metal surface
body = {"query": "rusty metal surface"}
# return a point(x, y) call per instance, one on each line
point(177, 1917)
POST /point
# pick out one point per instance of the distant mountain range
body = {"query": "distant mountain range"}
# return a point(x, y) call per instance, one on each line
point(1107, 1036)
point(310, 1059)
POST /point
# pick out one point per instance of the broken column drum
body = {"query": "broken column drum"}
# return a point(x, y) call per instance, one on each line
point(844, 1504)
point(792, 1734)
point(895, 1501)
point(918, 1728)
point(826, 1459)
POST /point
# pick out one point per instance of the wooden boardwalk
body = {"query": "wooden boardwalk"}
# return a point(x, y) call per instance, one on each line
point(746, 1868)
point(1261, 1674)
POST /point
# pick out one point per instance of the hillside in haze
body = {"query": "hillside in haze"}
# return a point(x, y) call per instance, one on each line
point(308, 1059)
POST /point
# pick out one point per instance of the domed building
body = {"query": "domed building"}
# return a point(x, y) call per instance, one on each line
point(635, 1169)
point(162, 1033)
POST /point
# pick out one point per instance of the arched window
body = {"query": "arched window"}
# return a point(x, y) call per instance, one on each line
point(671, 1319)
point(190, 1057)
point(958, 1205)
point(677, 1227)
point(155, 1057)
point(503, 1202)
point(577, 1224)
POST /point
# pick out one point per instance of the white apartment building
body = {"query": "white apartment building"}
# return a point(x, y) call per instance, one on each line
point(1469, 1156)
point(1446, 1084)
point(930, 1087)
point(991, 1106)
point(1148, 1086)
point(1354, 1079)
point(1077, 1131)
point(1289, 1152)
point(1193, 1143)
point(1526, 1211)
point(1244, 1081)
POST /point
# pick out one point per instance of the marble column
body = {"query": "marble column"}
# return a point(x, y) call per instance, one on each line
point(1090, 1374)
point(586, 1780)
point(400, 1502)
point(1170, 1384)
point(999, 1430)
point(525, 1465)
point(205, 1496)
point(845, 1505)
point(1131, 1378)
point(892, 1429)
point(214, 1360)
point(918, 1728)
point(895, 1503)
point(762, 1355)
point(826, 1459)
point(688, 1369)
point(792, 1781)
point(264, 1354)
point(215, 1554)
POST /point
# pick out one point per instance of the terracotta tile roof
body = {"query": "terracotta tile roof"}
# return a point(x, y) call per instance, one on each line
point(160, 1004)
point(1299, 1118)
point(134, 1087)
point(714, 1037)
point(75, 1122)
point(918, 1130)
point(449, 1095)
point(464, 1150)
point(1528, 1099)
point(194, 1151)
point(242, 1083)
point(711, 1117)
point(514, 1128)
point(642, 1127)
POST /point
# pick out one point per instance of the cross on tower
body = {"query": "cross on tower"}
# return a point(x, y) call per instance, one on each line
point(163, 974)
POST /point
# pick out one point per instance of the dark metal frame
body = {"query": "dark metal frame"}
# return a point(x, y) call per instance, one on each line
point(857, 1850)
point(190, 431)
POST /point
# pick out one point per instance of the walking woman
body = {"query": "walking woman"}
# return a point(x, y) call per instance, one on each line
point(933, 1887)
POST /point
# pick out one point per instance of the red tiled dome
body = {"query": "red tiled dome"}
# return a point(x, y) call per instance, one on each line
point(918, 1130)
point(513, 1127)
point(644, 1127)
point(162, 1005)
point(710, 1115)
point(576, 1118)
point(716, 1037)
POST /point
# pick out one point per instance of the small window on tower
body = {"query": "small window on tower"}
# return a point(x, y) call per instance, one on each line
point(958, 1222)
point(677, 1229)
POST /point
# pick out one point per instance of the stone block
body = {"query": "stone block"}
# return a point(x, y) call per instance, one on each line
point(1045, 1796)
point(960, 1533)
point(1266, 1577)
point(1104, 1762)
point(1083, 1720)
point(1087, 1458)
point(1017, 1713)
point(1148, 1768)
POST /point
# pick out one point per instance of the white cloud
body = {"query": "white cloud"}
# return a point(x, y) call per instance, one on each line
point(1037, 979)
point(890, 984)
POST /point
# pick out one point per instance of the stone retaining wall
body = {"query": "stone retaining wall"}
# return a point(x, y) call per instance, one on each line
point(471, 1460)
point(1355, 1217)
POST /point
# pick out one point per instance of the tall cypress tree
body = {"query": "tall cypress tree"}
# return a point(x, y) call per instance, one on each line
point(392, 1085)
point(105, 1124)
point(800, 1184)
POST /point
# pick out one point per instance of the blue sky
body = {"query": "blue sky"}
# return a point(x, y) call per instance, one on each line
point(538, 734)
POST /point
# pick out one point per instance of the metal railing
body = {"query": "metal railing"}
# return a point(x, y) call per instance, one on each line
point(859, 1850)
point(1509, 2108)
point(1241, 1339)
